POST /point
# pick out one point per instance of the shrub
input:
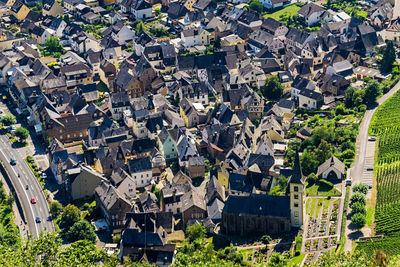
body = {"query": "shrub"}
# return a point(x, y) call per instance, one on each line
point(362, 188)
point(358, 197)
point(358, 220)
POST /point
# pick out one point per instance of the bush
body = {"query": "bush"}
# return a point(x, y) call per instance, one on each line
point(312, 178)
point(358, 207)
point(358, 220)
point(265, 239)
point(358, 197)
point(362, 188)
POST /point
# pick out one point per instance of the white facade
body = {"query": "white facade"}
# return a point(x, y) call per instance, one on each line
point(142, 14)
point(296, 204)
point(306, 102)
point(143, 178)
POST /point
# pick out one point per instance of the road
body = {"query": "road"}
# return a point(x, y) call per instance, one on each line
point(41, 207)
point(362, 168)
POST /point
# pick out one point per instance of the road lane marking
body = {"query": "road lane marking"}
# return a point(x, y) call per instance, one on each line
point(37, 232)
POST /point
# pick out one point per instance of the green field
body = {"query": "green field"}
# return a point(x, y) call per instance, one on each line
point(390, 245)
point(291, 10)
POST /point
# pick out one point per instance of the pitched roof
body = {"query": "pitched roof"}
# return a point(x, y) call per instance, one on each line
point(139, 165)
point(258, 205)
point(310, 8)
point(297, 176)
point(333, 161)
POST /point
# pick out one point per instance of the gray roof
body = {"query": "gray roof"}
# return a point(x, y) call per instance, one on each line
point(139, 165)
point(310, 8)
point(333, 161)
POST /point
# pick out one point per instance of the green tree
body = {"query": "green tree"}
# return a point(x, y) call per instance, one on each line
point(358, 197)
point(55, 208)
point(8, 119)
point(22, 134)
point(195, 231)
point(324, 151)
point(312, 178)
point(309, 162)
point(266, 239)
point(255, 5)
point(69, 217)
point(372, 91)
point(278, 260)
point(273, 89)
point(358, 207)
point(389, 57)
point(358, 220)
point(81, 230)
point(363, 188)
point(354, 97)
point(340, 110)
point(53, 45)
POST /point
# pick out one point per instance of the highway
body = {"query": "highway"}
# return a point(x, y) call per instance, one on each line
point(41, 207)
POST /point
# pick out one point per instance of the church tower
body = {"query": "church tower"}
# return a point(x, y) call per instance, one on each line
point(297, 194)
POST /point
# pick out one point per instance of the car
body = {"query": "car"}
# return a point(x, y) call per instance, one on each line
point(38, 220)
point(44, 175)
point(348, 182)
point(33, 200)
point(372, 138)
point(13, 161)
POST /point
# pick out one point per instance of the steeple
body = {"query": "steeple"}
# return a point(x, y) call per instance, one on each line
point(297, 176)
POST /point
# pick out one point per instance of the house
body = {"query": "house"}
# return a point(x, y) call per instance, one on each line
point(141, 171)
point(76, 74)
point(52, 8)
point(309, 99)
point(171, 197)
point(84, 182)
point(167, 145)
point(271, 4)
point(313, 13)
point(70, 5)
point(91, 17)
point(189, 113)
point(195, 36)
point(19, 10)
point(299, 84)
point(193, 207)
point(119, 102)
point(112, 204)
point(41, 35)
point(195, 166)
point(274, 27)
point(332, 169)
point(333, 84)
point(141, 9)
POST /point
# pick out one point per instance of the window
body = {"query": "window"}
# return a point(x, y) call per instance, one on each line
point(296, 196)
point(296, 189)
point(296, 205)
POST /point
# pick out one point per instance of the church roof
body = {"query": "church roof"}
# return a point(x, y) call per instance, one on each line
point(297, 176)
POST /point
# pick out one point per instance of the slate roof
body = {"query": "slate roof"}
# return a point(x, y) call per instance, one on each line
point(310, 8)
point(139, 165)
point(258, 205)
point(333, 161)
point(297, 175)
point(311, 94)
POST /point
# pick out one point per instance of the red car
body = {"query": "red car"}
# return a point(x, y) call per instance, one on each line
point(33, 200)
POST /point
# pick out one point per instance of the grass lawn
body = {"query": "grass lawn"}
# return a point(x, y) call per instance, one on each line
point(321, 188)
point(370, 218)
point(291, 10)
point(326, 203)
point(312, 210)
point(296, 261)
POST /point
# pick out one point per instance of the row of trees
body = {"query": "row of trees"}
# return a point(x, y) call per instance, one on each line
point(20, 132)
point(358, 202)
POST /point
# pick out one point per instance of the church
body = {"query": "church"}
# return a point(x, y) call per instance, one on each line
point(259, 214)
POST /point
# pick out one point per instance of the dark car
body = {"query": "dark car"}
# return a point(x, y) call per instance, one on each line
point(38, 220)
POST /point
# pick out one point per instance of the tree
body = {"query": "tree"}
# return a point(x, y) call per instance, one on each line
point(324, 151)
point(372, 91)
point(353, 97)
point(309, 162)
point(69, 217)
point(81, 230)
point(273, 89)
point(358, 197)
point(389, 57)
point(195, 231)
point(358, 220)
point(22, 134)
point(53, 45)
point(358, 207)
point(8, 119)
point(55, 208)
point(357, 258)
point(256, 6)
point(340, 110)
point(363, 188)
point(266, 239)
point(312, 178)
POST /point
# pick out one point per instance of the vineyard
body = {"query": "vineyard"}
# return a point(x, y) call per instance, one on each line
point(387, 116)
point(389, 244)
point(389, 146)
